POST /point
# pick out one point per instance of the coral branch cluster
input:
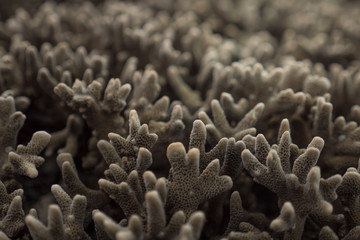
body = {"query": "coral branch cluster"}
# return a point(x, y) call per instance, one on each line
point(179, 120)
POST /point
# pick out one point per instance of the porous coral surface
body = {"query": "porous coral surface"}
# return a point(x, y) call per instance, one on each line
point(179, 120)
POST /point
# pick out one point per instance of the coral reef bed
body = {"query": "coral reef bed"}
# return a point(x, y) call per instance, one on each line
point(180, 120)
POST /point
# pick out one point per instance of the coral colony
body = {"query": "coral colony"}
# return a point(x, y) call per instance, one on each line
point(180, 120)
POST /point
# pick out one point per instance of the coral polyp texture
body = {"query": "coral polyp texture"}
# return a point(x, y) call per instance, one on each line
point(179, 120)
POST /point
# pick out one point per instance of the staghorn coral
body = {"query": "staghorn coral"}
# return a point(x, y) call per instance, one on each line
point(12, 214)
point(115, 91)
point(349, 197)
point(74, 212)
point(187, 187)
point(25, 160)
point(85, 95)
point(54, 230)
point(74, 186)
point(295, 180)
